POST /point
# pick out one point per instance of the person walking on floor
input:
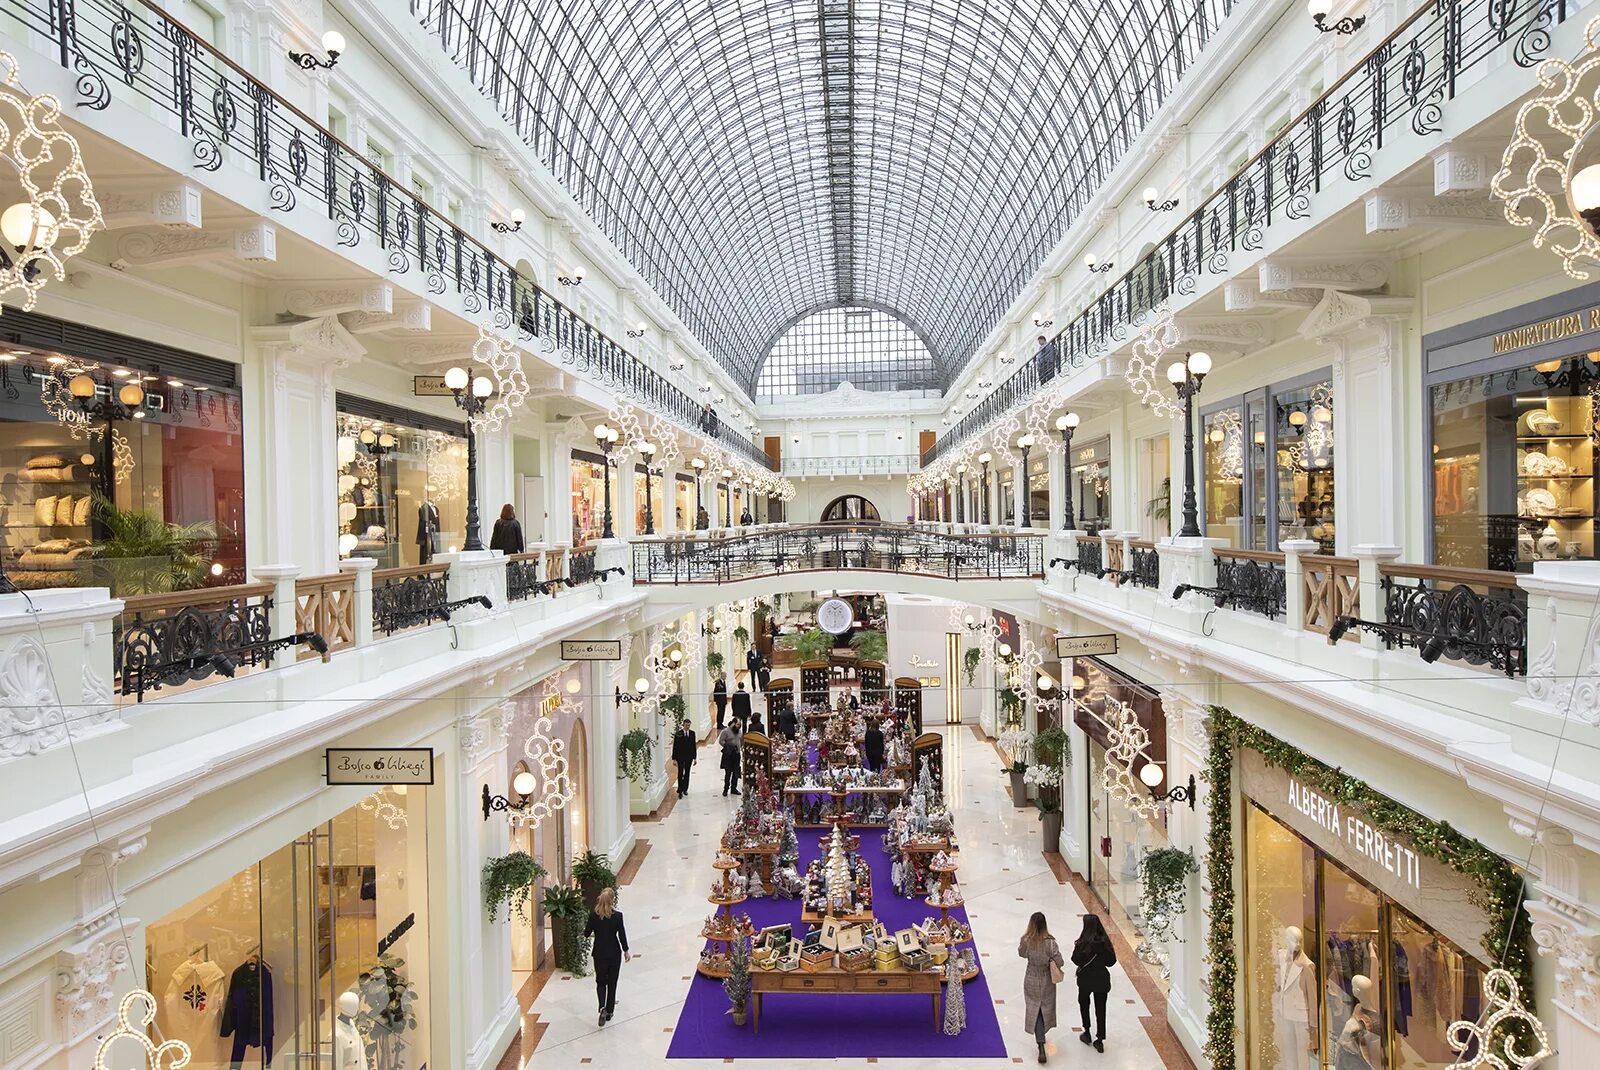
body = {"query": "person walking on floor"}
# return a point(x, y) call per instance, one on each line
point(719, 695)
point(1094, 956)
point(741, 707)
point(507, 535)
point(610, 949)
point(752, 664)
point(1044, 972)
point(728, 740)
point(685, 751)
point(788, 723)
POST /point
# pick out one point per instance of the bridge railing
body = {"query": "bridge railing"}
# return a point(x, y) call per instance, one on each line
point(819, 547)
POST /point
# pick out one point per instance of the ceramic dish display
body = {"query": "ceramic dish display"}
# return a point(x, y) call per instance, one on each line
point(1540, 422)
point(1541, 502)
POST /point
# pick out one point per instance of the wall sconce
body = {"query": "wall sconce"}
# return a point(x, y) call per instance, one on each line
point(522, 784)
point(676, 366)
point(1152, 775)
point(641, 688)
point(706, 389)
point(637, 332)
point(518, 217)
point(1013, 360)
point(1043, 323)
point(1320, 9)
point(1150, 201)
point(574, 279)
point(332, 44)
point(1094, 266)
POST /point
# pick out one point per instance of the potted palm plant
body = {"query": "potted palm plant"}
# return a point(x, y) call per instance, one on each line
point(811, 645)
point(140, 553)
point(871, 645)
point(592, 872)
point(566, 910)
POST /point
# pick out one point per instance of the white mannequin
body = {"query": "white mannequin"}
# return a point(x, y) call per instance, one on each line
point(1294, 1003)
point(1360, 1047)
point(349, 1050)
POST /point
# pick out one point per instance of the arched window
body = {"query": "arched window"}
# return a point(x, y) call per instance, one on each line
point(850, 509)
point(872, 349)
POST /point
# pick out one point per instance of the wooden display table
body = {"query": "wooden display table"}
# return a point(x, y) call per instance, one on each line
point(845, 982)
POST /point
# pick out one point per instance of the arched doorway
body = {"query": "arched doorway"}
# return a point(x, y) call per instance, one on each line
point(850, 509)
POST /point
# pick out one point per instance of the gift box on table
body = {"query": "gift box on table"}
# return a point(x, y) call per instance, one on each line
point(907, 940)
point(939, 953)
point(763, 957)
point(915, 959)
point(815, 960)
point(848, 938)
point(855, 961)
point(790, 958)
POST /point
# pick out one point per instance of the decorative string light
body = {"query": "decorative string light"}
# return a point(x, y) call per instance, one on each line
point(1316, 437)
point(495, 352)
point(384, 809)
point(1144, 375)
point(1128, 740)
point(548, 754)
point(1497, 1042)
point(168, 1055)
point(61, 202)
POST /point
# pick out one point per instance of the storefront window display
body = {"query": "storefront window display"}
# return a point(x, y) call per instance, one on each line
point(89, 446)
point(1336, 972)
point(317, 955)
point(683, 503)
point(1039, 489)
point(1008, 498)
point(1091, 485)
point(402, 487)
point(589, 497)
point(658, 510)
point(1513, 465)
point(1269, 462)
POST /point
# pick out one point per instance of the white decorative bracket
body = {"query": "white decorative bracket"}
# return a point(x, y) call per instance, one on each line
point(1244, 295)
point(257, 242)
point(330, 300)
point(175, 207)
point(407, 315)
point(1388, 211)
point(1276, 274)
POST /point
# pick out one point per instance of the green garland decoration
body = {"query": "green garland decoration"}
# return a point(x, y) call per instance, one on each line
point(1498, 885)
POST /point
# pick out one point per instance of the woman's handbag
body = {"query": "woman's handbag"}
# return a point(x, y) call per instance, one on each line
point(1056, 974)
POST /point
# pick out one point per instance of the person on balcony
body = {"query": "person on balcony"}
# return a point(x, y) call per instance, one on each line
point(507, 534)
point(708, 420)
point(1046, 360)
point(764, 673)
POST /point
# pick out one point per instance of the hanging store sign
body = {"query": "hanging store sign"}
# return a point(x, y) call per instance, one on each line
point(835, 616)
point(1084, 646)
point(379, 766)
point(1432, 891)
point(591, 650)
point(432, 386)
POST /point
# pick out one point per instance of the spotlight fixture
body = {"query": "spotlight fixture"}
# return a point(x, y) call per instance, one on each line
point(1094, 265)
point(637, 332)
point(574, 279)
point(332, 44)
point(1320, 9)
point(1150, 194)
point(518, 217)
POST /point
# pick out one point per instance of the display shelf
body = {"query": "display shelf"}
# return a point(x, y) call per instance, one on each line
point(1550, 438)
point(726, 902)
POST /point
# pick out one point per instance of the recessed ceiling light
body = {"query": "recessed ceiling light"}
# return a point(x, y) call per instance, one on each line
point(19, 352)
point(8, 356)
point(174, 382)
point(202, 388)
point(56, 359)
point(121, 373)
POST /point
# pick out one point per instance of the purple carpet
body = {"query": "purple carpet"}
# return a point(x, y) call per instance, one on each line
point(831, 1027)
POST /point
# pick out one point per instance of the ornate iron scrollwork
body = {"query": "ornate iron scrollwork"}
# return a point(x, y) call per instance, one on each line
point(1464, 624)
point(188, 645)
point(1254, 586)
point(1146, 568)
point(410, 601)
point(522, 579)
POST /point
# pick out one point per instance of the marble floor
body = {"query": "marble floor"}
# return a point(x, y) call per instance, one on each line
point(1005, 878)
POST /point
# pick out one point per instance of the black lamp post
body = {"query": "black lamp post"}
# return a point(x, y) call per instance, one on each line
point(1066, 423)
point(1024, 444)
point(1186, 376)
point(648, 451)
point(606, 437)
point(727, 497)
point(699, 467)
point(472, 402)
point(984, 459)
point(127, 405)
point(961, 494)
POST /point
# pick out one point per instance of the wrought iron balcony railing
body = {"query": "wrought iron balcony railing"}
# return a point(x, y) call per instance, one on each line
point(879, 548)
point(1410, 77)
point(133, 49)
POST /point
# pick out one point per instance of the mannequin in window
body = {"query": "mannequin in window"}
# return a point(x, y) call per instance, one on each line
point(427, 530)
point(349, 1050)
point(1360, 1047)
point(1294, 1002)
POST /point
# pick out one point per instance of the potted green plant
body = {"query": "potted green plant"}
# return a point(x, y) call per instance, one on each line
point(715, 664)
point(140, 553)
point(1160, 507)
point(737, 983)
point(1052, 747)
point(567, 912)
point(592, 872)
point(676, 708)
point(871, 645)
point(970, 662)
point(741, 638)
point(811, 645)
point(1163, 886)
point(633, 755)
point(388, 1011)
point(509, 880)
point(1046, 780)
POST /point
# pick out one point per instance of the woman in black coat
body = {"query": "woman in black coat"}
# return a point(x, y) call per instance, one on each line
point(610, 949)
point(1094, 956)
point(507, 534)
point(728, 740)
point(719, 695)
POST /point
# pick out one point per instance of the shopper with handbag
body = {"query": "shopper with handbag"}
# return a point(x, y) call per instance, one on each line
point(1094, 956)
point(1039, 983)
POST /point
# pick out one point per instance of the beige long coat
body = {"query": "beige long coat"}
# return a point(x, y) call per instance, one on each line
point(1038, 991)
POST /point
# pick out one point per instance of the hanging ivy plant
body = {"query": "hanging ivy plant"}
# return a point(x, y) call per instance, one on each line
point(1052, 747)
point(715, 663)
point(970, 662)
point(633, 755)
point(1163, 889)
point(509, 880)
point(676, 708)
point(741, 637)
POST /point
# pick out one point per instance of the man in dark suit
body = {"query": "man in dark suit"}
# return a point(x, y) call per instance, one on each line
point(684, 753)
point(719, 695)
point(752, 662)
point(788, 723)
point(872, 746)
point(741, 707)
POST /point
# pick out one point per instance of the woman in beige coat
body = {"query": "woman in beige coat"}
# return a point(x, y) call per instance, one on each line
point(1038, 986)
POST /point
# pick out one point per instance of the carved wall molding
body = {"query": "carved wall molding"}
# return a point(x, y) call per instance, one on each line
point(1571, 945)
point(1244, 294)
point(332, 299)
point(160, 248)
point(169, 205)
point(1276, 274)
point(408, 315)
point(1461, 168)
point(33, 717)
point(87, 981)
point(1388, 211)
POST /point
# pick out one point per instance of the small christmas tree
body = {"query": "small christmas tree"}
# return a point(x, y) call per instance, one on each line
point(789, 847)
point(737, 983)
point(955, 998)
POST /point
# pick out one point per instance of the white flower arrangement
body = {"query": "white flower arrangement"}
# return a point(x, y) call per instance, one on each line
point(1044, 776)
point(1016, 743)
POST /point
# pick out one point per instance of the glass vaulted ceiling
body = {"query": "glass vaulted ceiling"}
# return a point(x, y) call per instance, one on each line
point(760, 159)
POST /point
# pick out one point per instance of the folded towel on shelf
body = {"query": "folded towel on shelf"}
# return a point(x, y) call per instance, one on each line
point(46, 460)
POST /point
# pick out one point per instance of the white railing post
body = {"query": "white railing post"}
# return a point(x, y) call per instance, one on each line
point(285, 601)
point(1294, 582)
point(1369, 561)
point(362, 568)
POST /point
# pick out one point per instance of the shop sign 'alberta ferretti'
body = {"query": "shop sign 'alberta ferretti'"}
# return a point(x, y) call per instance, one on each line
point(379, 765)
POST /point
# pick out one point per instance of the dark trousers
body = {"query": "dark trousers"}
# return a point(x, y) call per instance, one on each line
point(722, 710)
point(683, 777)
point(1099, 1011)
point(605, 983)
point(1039, 1028)
point(730, 780)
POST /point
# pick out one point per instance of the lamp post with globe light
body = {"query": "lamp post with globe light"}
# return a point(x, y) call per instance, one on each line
point(648, 451)
point(472, 394)
point(1066, 423)
point(1186, 375)
point(984, 459)
point(605, 437)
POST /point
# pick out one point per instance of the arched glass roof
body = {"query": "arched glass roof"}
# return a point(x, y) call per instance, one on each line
point(759, 158)
point(869, 347)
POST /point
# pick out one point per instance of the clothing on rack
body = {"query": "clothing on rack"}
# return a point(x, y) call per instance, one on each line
point(1402, 989)
point(247, 1014)
point(193, 1004)
point(427, 531)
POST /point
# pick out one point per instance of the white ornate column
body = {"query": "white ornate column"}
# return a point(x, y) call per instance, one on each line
point(496, 479)
point(559, 481)
point(484, 947)
point(1187, 750)
point(1566, 930)
point(95, 970)
point(295, 456)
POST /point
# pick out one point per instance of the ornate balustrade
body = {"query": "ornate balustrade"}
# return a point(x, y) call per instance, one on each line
point(882, 547)
point(1090, 558)
point(409, 597)
point(522, 575)
point(1474, 616)
point(580, 565)
point(1252, 580)
point(1331, 589)
point(1144, 564)
point(186, 636)
point(326, 605)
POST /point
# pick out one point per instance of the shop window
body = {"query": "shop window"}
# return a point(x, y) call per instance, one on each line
point(321, 947)
point(1283, 947)
point(1513, 465)
point(589, 497)
point(683, 507)
point(657, 485)
point(96, 456)
point(1038, 490)
point(402, 490)
point(1091, 485)
point(1008, 498)
point(849, 508)
point(1268, 464)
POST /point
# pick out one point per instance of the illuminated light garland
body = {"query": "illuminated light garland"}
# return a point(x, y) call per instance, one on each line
point(1144, 375)
point(1127, 740)
point(1231, 461)
point(504, 361)
point(168, 1055)
point(1317, 439)
point(1497, 1043)
point(384, 810)
point(61, 201)
point(1528, 166)
point(548, 754)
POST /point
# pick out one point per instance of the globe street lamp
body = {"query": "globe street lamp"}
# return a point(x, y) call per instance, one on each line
point(984, 459)
point(961, 494)
point(472, 402)
point(1186, 376)
point(699, 467)
point(727, 494)
point(605, 437)
point(1024, 444)
point(1067, 423)
point(648, 451)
